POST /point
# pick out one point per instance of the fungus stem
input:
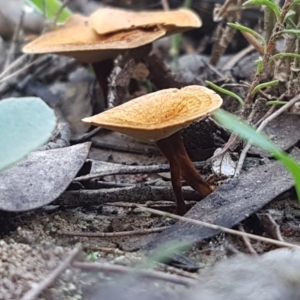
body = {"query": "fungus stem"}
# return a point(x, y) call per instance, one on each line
point(102, 71)
point(181, 165)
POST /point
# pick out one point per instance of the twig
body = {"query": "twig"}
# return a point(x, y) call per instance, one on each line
point(165, 4)
point(15, 38)
point(226, 34)
point(113, 234)
point(19, 61)
point(271, 227)
point(261, 127)
point(41, 286)
point(157, 275)
point(86, 136)
point(247, 241)
point(219, 16)
point(237, 57)
point(37, 61)
point(220, 228)
point(125, 169)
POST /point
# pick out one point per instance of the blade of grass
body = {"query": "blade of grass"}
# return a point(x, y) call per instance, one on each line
point(224, 91)
point(248, 30)
point(271, 5)
point(280, 55)
point(264, 85)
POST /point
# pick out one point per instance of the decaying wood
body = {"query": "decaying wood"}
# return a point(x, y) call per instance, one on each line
point(136, 194)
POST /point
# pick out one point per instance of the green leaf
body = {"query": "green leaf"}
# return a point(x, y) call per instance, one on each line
point(291, 31)
point(25, 124)
point(224, 91)
point(50, 8)
point(289, 14)
point(260, 65)
point(295, 2)
point(276, 102)
point(280, 55)
point(264, 85)
point(248, 30)
point(271, 5)
point(247, 132)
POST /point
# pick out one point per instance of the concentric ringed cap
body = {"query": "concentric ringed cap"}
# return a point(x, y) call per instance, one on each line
point(156, 116)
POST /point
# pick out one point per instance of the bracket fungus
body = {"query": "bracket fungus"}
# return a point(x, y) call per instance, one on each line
point(83, 37)
point(158, 118)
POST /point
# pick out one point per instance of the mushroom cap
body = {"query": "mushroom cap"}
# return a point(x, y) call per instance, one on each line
point(115, 19)
point(76, 38)
point(156, 116)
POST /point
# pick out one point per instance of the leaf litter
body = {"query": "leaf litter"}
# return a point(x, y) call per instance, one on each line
point(34, 238)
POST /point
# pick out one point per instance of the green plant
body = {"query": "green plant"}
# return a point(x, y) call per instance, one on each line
point(50, 8)
point(25, 124)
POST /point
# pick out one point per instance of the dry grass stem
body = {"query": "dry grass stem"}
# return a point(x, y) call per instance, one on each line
point(220, 228)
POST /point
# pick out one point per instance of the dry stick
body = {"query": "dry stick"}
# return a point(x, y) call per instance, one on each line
point(220, 228)
point(236, 58)
point(218, 17)
point(226, 36)
point(113, 234)
point(165, 5)
point(260, 128)
point(247, 241)
point(18, 61)
point(14, 41)
point(151, 274)
point(38, 60)
point(41, 286)
point(271, 227)
point(85, 136)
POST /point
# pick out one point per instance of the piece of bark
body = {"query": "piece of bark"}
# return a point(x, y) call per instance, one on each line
point(231, 203)
point(283, 131)
point(134, 194)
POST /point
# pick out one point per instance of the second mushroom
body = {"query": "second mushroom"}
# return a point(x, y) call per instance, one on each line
point(158, 118)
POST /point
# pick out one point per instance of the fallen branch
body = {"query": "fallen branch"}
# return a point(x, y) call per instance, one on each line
point(151, 274)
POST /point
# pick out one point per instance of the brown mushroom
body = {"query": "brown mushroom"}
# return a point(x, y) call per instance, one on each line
point(76, 38)
point(116, 19)
point(158, 118)
point(82, 38)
